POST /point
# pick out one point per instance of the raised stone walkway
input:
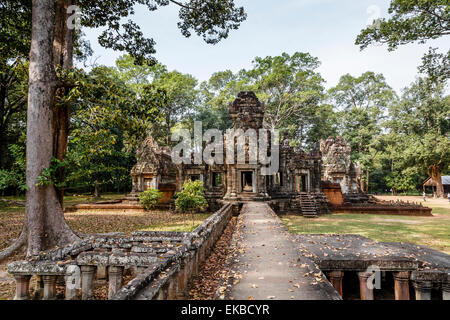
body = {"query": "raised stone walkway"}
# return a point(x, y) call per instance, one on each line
point(268, 265)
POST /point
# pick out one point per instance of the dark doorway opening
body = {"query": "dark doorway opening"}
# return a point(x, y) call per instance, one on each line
point(247, 181)
point(217, 180)
point(194, 177)
point(302, 186)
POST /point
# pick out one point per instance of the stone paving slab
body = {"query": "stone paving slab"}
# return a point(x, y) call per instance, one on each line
point(267, 264)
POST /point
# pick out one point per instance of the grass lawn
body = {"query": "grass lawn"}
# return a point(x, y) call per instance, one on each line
point(433, 231)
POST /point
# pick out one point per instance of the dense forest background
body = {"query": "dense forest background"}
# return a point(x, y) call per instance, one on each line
point(399, 138)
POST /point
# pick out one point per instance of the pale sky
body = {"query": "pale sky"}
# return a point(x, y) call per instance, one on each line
point(327, 29)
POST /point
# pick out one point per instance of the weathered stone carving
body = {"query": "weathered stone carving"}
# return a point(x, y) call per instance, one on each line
point(299, 173)
point(337, 166)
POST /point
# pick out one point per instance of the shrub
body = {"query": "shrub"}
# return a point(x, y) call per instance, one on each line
point(191, 197)
point(150, 198)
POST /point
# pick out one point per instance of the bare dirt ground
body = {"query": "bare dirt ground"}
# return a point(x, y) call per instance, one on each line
point(441, 202)
point(88, 222)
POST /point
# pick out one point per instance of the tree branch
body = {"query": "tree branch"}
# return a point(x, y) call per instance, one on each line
point(180, 4)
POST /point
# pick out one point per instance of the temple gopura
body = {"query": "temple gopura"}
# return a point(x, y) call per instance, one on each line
point(301, 184)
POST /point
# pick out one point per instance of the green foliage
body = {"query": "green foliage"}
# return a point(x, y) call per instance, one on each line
point(15, 176)
point(111, 115)
point(150, 198)
point(191, 197)
point(410, 21)
point(363, 102)
point(181, 98)
point(414, 21)
point(291, 90)
point(420, 123)
point(288, 85)
point(48, 175)
point(212, 19)
point(401, 181)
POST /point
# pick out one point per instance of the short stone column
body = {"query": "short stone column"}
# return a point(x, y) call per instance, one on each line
point(336, 280)
point(173, 288)
point(22, 287)
point(181, 281)
point(73, 282)
point(423, 289)
point(71, 292)
point(446, 290)
point(401, 285)
point(87, 282)
point(38, 287)
point(49, 287)
point(163, 293)
point(115, 275)
point(365, 292)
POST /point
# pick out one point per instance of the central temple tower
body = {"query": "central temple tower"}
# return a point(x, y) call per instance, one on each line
point(245, 180)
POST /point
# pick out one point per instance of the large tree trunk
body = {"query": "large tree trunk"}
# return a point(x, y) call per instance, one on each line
point(44, 218)
point(3, 147)
point(3, 144)
point(436, 175)
point(63, 58)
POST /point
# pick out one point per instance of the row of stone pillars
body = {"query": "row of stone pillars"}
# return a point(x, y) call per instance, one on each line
point(401, 286)
point(46, 284)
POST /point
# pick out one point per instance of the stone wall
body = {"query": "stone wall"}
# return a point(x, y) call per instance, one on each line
point(162, 263)
point(169, 280)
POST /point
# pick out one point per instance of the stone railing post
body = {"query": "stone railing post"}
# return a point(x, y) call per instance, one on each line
point(163, 292)
point(173, 287)
point(115, 275)
point(73, 282)
point(336, 280)
point(401, 285)
point(423, 289)
point(446, 289)
point(49, 287)
point(22, 287)
point(181, 278)
point(87, 282)
point(38, 287)
point(366, 293)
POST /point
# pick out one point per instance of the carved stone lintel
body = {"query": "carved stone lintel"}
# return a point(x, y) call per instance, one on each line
point(401, 283)
point(22, 287)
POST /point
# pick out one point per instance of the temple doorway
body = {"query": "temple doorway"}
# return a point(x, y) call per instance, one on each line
point(247, 181)
point(302, 185)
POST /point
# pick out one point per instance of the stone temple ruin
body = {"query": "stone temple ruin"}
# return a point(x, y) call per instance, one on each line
point(160, 265)
point(296, 187)
point(337, 166)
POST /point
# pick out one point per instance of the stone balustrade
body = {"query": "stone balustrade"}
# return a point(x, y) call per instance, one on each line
point(162, 263)
point(411, 268)
point(424, 282)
